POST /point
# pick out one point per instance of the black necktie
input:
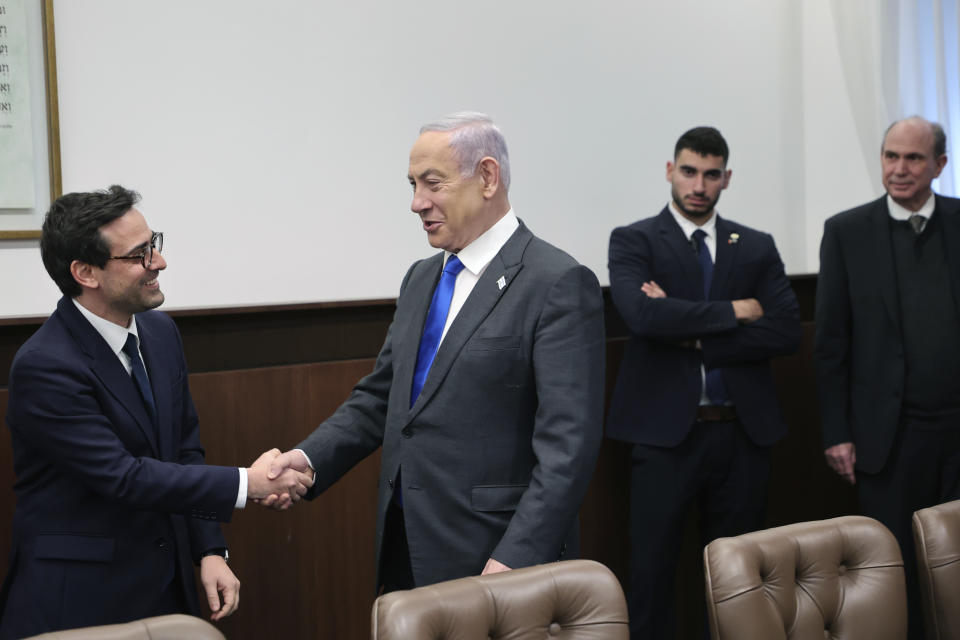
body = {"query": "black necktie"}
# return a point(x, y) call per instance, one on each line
point(140, 377)
point(716, 391)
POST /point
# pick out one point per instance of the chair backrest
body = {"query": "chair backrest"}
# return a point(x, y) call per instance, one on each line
point(172, 627)
point(936, 532)
point(840, 578)
point(572, 599)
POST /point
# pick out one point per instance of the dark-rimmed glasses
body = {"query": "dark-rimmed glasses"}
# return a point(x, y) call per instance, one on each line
point(145, 256)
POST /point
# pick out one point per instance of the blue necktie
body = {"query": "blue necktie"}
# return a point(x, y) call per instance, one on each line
point(140, 377)
point(433, 329)
point(716, 391)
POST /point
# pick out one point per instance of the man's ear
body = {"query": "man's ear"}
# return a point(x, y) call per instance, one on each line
point(84, 274)
point(489, 172)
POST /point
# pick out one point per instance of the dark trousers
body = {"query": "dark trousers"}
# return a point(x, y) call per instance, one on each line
point(923, 470)
point(396, 573)
point(725, 473)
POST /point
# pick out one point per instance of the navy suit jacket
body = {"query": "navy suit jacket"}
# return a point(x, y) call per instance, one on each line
point(109, 509)
point(498, 449)
point(658, 388)
point(861, 373)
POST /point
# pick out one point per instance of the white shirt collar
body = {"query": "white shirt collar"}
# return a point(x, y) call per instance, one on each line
point(114, 334)
point(709, 227)
point(898, 212)
point(478, 254)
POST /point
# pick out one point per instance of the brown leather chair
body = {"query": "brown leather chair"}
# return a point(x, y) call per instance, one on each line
point(572, 599)
point(172, 627)
point(936, 532)
point(840, 578)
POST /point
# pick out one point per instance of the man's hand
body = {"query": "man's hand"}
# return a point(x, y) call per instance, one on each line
point(493, 566)
point(841, 458)
point(291, 461)
point(219, 582)
point(286, 484)
point(747, 310)
point(653, 290)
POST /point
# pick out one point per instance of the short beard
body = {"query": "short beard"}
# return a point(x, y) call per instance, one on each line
point(694, 214)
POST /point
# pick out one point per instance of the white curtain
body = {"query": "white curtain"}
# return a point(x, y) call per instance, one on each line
point(901, 58)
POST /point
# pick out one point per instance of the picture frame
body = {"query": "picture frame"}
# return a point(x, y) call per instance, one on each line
point(40, 27)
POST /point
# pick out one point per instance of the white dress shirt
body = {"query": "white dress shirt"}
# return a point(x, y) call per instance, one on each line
point(475, 258)
point(898, 212)
point(115, 337)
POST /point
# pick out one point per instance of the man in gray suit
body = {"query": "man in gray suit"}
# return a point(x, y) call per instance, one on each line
point(487, 396)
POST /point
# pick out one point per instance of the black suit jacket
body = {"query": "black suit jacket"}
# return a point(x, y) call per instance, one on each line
point(498, 449)
point(859, 344)
point(658, 388)
point(109, 509)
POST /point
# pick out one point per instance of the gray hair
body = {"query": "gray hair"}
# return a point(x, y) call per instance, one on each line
point(939, 135)
point(474, 137)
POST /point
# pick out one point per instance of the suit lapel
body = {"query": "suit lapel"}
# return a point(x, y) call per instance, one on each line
point(673, 237)
point(158, 366)
point(481, 301)
point(950, 215)
point(724, 260)
point(107, 367)
point(416, 296)
point(880, 246)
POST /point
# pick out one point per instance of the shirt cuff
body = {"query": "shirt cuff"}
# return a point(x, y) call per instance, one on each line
point(307, 458)
point(242, 490)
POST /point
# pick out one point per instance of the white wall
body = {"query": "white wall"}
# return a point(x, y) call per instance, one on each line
point(270, 140)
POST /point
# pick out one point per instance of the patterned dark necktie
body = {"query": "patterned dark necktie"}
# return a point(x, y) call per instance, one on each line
point(918, 222)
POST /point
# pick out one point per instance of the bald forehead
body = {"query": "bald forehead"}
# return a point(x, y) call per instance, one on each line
point(913, 131)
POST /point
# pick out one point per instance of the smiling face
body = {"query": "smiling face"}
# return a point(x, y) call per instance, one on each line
point(909, 164)
point(453, 207)
point(124, 286)
point(697, 181)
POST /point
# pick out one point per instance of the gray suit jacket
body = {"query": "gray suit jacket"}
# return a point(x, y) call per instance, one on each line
point(499, 448)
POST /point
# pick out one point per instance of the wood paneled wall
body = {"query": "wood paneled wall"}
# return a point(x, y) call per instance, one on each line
point(265, 377)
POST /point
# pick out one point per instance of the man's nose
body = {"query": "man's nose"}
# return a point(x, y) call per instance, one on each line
point(419, 203)
point(158, 263)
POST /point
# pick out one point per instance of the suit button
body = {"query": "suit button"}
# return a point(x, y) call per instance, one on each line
point(406, 432)
point(161, 543)
point(390, 483)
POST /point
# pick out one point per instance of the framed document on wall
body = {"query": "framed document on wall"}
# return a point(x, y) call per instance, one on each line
point(29, 126)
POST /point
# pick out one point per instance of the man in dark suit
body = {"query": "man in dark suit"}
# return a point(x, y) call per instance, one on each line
point(708, 305)
point(888, 341)
point(487, 452)
point(114, 501)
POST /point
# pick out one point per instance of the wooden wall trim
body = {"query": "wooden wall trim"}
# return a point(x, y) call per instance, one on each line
point(226, 339)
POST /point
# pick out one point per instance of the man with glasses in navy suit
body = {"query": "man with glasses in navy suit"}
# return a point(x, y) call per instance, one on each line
point(114, 501)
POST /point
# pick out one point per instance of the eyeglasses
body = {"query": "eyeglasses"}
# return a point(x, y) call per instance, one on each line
point(145, 256)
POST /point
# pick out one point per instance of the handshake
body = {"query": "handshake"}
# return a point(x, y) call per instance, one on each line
point(277, 480)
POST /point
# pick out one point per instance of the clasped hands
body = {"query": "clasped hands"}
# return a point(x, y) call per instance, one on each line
point(277, 480)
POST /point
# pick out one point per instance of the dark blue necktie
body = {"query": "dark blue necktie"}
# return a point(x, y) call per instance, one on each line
point(140, 377)
point(433, 329)
point(716, 391)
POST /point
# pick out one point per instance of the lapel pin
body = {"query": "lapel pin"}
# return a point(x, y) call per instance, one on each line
point(733, 238)
point(501, 283)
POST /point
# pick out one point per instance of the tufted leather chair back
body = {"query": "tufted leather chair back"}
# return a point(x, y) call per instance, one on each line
point(936, 532)
point(173, 627)
point(840, 578)
point(578, 599)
